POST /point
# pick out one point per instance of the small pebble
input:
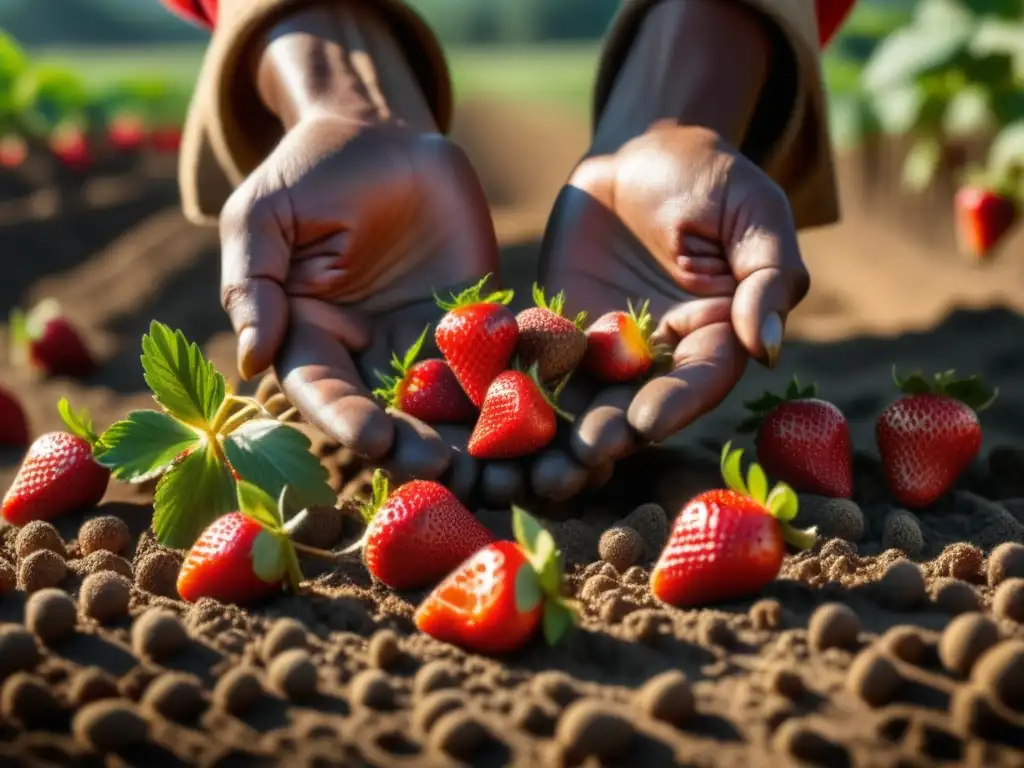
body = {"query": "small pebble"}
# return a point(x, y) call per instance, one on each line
point(591, 728)
point(158, 634)
point(1000, 671)
point(157, 573)
point(1005, 562)
point(176, 696)
point(37, 535)
point(285, 635)
point(372, 689)
point(713, 631)
point(18, 651)
point(293, 675)
point(621, 547)
point(961, 561)
point(109, 725)
point(433, 706)
point(798, 739)
point(43, 568)
point(51, 614)
point(1008, 601)
point(102, 560)
point(651, 522)
point(383, 649)
point(905, 643)
point(433, 676)
point(27, 698)
point(105, 596)
point(458, 734)
point(873, 678)
point(667, 697)
point(786, 682)
point(766, 615)
point(833, 625)
point(92, 684)
point(107, 532)
point(902, 586)
point(953, 597)
point(8, 578)
point(964, 640)
point(237, 690)
point(901, 530)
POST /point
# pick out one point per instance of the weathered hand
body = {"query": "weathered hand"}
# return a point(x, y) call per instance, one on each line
point(332, 252)
point(681, 219)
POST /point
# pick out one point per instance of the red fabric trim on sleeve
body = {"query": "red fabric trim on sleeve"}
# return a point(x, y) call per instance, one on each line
point(194, 10)
point(831, 14)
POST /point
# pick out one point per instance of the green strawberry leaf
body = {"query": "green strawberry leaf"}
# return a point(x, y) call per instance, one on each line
point(528, 591)
point(782, 502)
point(971, 391)
point(534, 538)
point(272, 455)
point(401, 365)
point(79, 423)
point(769, 401)
point(254, 502)
point(270, 557)
point(181, 379)
point(190, 496)
point(557, 621)
point(732, 469)
point(144, 445)
point(475, 295)
point(799, 538)
point(757, 483)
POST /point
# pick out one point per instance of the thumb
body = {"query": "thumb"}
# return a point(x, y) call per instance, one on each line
point(763, 251)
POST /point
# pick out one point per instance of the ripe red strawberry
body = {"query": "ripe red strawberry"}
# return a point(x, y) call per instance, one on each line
point(549, 340)
point(13, 151)
point(929, 436)
point(477, 337)
point(727, 544)
point(222, 563)
point(416, 533)
point(517, 418)
point(803, 441)
point(126, 132)
point(982, 217)
point(58, 474)
point(495, 601)
point(70, 146)
point(426, 389)
point(46, 340)
point(13, 424)
point(619, 345)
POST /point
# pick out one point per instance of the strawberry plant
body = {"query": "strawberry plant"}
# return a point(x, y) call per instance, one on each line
point(201, 442)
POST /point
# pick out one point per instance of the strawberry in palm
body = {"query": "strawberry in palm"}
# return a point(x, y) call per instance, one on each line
point(928, 437)
point(549, 340)
point(619, 346)
point(477, 336)
point(58, 474)
point(728, 544)
point(517, 418)
point(246, 556)
point(13, 424)
point(45, 339)
point(426, 389)
point(802, 440)
point(496, 600)
point(416, 533)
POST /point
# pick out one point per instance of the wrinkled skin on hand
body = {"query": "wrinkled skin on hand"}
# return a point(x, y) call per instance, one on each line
point(681, 219)
point(332, 252)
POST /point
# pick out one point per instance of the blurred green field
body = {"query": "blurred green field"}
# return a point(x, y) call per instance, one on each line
point(560, 74)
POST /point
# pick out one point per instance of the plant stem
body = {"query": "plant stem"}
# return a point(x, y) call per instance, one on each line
point(799, 538)
point(323, 554)
point(246, 414)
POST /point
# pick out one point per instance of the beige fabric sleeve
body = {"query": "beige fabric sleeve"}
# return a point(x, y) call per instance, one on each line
point(789, 136)
point(228, 132)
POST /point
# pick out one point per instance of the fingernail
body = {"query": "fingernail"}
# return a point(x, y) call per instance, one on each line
point(246, 342)
point(771, 337)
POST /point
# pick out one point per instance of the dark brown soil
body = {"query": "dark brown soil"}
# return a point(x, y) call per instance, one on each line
point(903, 647)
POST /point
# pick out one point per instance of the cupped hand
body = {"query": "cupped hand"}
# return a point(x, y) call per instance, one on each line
point(332, 252)
point(680, 219)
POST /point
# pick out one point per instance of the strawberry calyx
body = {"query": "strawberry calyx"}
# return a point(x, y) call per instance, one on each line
point(780, 501)
point(541, 581)
point(970, 391)
point(556, 305)
point(79, 423)
point(380, 490)
point(644, 321)
point(769, 401)
point(475, 295)
point(388, 393)
point(551, 398)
